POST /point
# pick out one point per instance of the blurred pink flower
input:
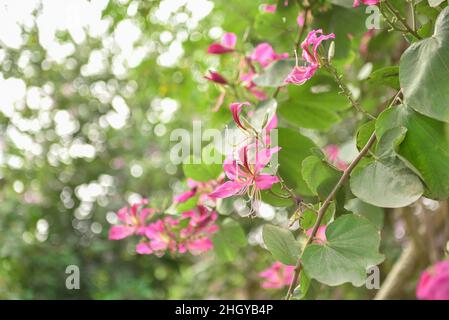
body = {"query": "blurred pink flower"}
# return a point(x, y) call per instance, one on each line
point(245, 175)
point(227, 44)
point(133, 220)
point(300, 20)
point(264, 54)
point(367, 2)
point(216, 77)
point(277, 276)
point(434, 282)
point(189, 233)
point(196, 187)
point(332, 151)
point(269, 8)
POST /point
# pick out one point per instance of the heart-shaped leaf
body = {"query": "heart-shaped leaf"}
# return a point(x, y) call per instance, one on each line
point(350, 249)
point(386, 183)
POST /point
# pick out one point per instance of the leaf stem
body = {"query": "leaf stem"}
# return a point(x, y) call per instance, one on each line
point(344, 88)
point(403, 21)
point(325, 206)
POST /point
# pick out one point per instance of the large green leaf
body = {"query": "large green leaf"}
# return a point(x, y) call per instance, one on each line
point(229, 238)
point(351, 248)
point(281, 243)
point(425, 148)
point(386, 183)
point(424, 72)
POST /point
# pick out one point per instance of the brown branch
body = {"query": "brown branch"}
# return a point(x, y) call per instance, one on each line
point(325, 206)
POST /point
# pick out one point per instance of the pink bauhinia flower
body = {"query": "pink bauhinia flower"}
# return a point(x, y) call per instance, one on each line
point(300, 74)
point(227, 44)
point(277, 276)
point(133, 219)
point(434, 282)
point(367, 2)
point(245, 174)
point(264, 54)
point(216, 77)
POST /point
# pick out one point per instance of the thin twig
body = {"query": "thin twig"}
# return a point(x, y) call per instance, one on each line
point(325, 206)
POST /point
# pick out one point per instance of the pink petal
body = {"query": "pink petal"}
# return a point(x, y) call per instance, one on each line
point(265, 181)
point(143, 248)
point(300, 20)
point(236, 109)
point(183, 197)
point(227, 189)
point(300, 74)
point(216, 77)
point(229, 40)
point(216, 48)
point(269, 8)
point(120, 232)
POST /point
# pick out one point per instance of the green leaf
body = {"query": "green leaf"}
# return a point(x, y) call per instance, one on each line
point(351, 248)
point(270, 198)
point(364, 133)
point(388, 76)
point(281, 243)
point(295, 148)
point(229, 238)
point(314, 105)
point(425, 148)
point(275, 74)
point(200, 170)
point(390, 141)
point(319, 175)
point(386, 183)
point(308, 218)
point(374, 214)
point(424, 72)
point(342, 21)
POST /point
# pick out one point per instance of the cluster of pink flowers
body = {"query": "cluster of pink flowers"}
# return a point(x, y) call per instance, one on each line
point(277, 276)
point(263, 55)
point(189, 232)
point(434, 282)
point(367, 2)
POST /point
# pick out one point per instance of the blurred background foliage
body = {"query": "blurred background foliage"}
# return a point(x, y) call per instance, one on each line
point(89, 93)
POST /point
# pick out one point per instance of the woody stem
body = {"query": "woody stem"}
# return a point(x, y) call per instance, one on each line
point(325, 206)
